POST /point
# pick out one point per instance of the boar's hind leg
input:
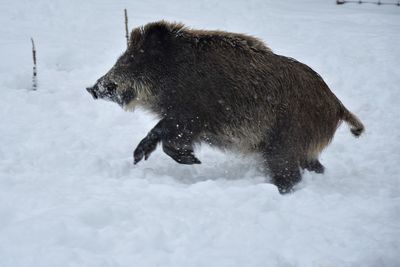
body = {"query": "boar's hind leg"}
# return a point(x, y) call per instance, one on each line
point(283, 165)
point(285, 172)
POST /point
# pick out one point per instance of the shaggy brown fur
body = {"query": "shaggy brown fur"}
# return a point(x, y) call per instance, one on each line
point(228, 90)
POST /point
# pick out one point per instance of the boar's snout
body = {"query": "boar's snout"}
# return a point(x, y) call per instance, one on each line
point(105, 89)
point(92, 91)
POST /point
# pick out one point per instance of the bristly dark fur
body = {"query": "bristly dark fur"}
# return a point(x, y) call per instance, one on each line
point(229, 90)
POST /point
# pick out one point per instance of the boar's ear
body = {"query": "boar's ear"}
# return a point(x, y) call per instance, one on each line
point(156, 36)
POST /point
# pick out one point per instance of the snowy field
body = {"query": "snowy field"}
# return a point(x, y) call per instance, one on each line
point(70, 195)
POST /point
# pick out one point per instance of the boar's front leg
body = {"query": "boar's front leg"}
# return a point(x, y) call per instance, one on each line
point(177, 140)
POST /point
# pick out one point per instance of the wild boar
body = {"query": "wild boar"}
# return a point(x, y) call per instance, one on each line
point(228, 90)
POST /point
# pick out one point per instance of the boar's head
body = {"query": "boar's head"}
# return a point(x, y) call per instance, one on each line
point(140, 70)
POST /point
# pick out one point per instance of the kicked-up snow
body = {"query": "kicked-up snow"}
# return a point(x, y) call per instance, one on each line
point(70, 195)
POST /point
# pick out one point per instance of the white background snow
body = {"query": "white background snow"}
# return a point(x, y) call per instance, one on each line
point(70, 195)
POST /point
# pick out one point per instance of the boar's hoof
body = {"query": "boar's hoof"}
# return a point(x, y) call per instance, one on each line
point(144, 149)
point(286, 179)
point(182, 156)
point(284, 188)
point(314, 166)
point(317, 167)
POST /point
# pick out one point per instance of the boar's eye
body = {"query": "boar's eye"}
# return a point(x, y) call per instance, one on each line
point(111, 87)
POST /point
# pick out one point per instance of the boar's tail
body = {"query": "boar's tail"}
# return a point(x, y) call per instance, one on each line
point(356, 126)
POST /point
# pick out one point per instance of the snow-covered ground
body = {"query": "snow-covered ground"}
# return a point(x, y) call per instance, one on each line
point(70, 196)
